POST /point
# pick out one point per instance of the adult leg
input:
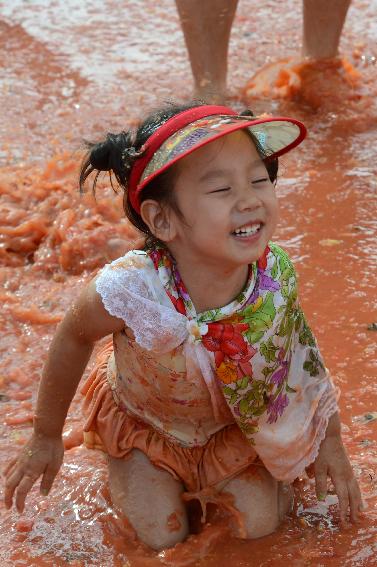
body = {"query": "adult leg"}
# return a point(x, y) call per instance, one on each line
point(150, 498)
point(206, 25)
point(322, 27)
point(261, 500)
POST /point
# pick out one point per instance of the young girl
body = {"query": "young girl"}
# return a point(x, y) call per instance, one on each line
point(213, 387)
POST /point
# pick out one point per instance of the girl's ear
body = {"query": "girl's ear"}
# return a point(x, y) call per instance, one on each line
point(158, 219)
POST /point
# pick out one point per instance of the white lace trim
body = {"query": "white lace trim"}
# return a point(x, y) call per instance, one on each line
point(131, 290)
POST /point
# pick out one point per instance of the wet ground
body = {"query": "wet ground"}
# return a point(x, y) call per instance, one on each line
point(73, 70)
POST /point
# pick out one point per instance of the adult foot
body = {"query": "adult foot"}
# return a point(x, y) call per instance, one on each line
point(210, 93)
point(318, 83)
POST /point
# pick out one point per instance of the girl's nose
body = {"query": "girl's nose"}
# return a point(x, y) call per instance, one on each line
point(249, 200)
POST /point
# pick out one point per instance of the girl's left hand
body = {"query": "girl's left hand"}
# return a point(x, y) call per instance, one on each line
point(333, 461)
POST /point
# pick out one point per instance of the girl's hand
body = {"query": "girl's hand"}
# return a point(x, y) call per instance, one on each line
point(333, 461)
point(41, 456)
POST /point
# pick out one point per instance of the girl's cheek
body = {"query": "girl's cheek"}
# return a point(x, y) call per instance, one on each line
point(275, 206)
point(277, 210)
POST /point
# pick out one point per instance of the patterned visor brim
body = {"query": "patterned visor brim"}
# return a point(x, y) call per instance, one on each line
point(275, 136)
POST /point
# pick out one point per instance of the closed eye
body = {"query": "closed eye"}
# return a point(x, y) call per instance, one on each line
point(220, 190)
point(260, 180)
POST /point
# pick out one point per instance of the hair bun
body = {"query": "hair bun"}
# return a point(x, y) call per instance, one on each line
point(100, 156)
point(107, 155)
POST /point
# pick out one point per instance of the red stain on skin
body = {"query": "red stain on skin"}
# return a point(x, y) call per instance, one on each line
point(173, 522)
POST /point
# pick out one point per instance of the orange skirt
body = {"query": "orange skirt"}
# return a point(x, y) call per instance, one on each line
point(116, 432)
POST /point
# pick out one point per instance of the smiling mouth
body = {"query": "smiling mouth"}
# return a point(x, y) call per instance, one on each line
point(247, 230)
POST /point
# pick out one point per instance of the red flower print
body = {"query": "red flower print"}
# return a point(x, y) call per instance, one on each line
point(228, 344)
point(262, 262)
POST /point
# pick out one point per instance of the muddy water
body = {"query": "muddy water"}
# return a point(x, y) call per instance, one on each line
point(72, 70)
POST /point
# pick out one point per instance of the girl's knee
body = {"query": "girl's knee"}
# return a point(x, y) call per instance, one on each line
point(256, 498)
point(163, 531)
point(150, 498)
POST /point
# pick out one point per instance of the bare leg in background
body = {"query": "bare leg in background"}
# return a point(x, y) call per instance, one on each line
point(323, 22)
point(207, 25)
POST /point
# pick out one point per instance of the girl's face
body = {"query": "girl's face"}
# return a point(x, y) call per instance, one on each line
point(228, 203)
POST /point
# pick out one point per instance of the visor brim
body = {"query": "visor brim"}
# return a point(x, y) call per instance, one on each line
point(275, 136)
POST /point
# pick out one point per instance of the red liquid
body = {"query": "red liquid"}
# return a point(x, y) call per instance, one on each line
point(69, 72)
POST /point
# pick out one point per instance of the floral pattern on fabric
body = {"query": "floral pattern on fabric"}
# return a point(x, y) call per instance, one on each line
point(252, 346)
point(253, 361)
point(231, 350)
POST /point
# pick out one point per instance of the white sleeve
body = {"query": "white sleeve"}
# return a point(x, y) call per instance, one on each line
point(292, 429)
point(289, 445)
point(131, 290)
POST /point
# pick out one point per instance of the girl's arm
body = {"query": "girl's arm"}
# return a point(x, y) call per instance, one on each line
point(85, 323)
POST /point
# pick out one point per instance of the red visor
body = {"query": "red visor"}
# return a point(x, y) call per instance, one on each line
point(193, 128)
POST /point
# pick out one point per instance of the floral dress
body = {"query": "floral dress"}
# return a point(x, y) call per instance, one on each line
point(188, 375)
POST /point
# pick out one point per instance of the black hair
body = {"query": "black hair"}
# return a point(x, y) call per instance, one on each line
point(117, 153)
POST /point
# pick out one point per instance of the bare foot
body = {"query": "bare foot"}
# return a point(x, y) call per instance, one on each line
point(210, 93)
point(318, 83)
